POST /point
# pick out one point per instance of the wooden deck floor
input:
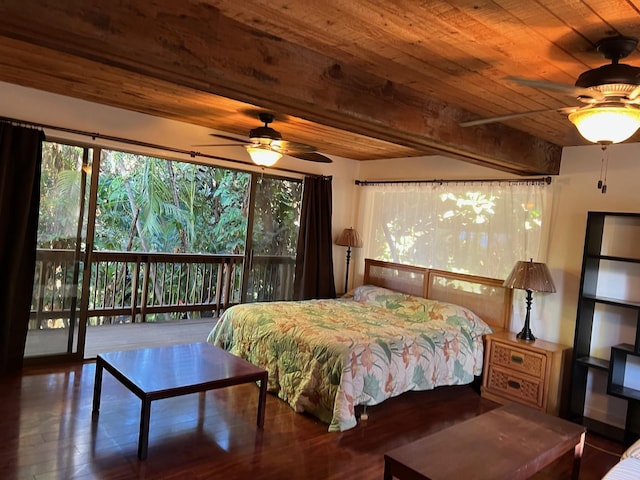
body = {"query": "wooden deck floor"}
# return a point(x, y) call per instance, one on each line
point(126, 336)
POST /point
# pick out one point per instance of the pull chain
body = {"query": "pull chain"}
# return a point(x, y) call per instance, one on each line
point(604, 147)
point(604, 165)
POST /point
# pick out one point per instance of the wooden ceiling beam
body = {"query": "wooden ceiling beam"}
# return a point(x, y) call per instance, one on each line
point(192, 45)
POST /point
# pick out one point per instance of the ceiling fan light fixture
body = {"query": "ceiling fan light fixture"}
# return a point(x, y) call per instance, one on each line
point(263, 155)
point(606, 124)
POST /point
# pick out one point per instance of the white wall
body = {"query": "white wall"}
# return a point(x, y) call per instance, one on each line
point(426, 168)
point(44, 108)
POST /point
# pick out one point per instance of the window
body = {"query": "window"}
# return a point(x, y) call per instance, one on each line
point(481, 228)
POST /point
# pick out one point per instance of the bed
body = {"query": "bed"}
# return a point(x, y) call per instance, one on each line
point(406, 328)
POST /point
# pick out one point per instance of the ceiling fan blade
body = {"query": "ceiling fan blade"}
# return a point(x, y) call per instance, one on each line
point(311, 157)
point(483, 121)
point(227, 137)
point(577, 92)
point(219, 145)
point(290, 148)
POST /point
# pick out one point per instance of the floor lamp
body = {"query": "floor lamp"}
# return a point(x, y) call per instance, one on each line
point(348, 238)
point(532, 277)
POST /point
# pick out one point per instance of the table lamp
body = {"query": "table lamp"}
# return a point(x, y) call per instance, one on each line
point(532, 277)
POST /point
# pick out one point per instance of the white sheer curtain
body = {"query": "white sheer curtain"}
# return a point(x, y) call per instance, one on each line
point(481, 228)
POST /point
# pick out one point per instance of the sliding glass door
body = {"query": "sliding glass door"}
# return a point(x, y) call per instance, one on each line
point(273, 235)
point(130, 239)
point(53, 325)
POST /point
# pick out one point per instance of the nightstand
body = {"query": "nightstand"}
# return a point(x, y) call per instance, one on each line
point(532, 373)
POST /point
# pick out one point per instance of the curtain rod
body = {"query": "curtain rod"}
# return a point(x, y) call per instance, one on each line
point(95, 135)
point(365, 183)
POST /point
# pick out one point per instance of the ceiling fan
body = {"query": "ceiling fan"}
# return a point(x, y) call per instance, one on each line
point(610, 94)
point(267, 145)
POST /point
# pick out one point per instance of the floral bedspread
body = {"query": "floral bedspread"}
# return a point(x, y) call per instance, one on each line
point(327, 356)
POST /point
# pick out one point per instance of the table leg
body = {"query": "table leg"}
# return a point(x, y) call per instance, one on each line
point(262, 399)
point(97, 388)
point(387, 475)
point(201, 410)
point(143, 439)
point(577, 457)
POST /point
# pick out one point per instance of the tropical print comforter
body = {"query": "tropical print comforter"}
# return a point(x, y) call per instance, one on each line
point(325, 357)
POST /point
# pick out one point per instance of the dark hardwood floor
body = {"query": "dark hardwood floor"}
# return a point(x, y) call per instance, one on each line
point(46, 432)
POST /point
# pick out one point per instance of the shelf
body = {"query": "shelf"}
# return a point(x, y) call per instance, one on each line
point(626, 348)
point(594, 362)
point(616, 384)
point(613, 301)
point(613, 258)
point(624, 392)
point(604, 429)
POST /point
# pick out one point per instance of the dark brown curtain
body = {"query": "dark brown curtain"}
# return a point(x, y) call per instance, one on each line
point(314, 261)
point(20, 161)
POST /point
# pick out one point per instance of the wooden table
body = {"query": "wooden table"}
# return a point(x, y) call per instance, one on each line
point(155, 373)
point(512, 442)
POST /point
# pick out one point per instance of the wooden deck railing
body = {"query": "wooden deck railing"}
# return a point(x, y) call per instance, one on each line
point(133, 286)
point(271, 278)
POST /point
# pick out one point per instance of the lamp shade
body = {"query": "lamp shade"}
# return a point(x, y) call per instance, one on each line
point(263, 155)
point(349, 238)
point(606, 124)
point(531, 276)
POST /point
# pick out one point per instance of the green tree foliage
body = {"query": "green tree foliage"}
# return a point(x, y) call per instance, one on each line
point(59, 195)
point(277, 213)
point(155, 205)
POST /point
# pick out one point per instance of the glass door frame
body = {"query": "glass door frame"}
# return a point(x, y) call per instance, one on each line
point(250, 252)
point(75, 336)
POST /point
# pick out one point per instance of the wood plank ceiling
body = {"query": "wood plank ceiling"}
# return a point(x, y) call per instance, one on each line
point(362, 79)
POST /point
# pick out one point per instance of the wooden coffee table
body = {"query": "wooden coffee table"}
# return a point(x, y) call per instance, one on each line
point(511, 442)
point(155, 373)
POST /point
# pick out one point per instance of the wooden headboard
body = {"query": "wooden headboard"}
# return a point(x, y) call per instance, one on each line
point(485, 296)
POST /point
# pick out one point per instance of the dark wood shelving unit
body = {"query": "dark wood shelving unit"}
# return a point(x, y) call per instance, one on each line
point(595, 255)
point(613, 301)
point(615, 259)
point(616, 384)
point(594, 362)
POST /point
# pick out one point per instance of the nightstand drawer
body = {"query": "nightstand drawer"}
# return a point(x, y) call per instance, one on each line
point(515, 386)
point(532, 373)
point(517, 359)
